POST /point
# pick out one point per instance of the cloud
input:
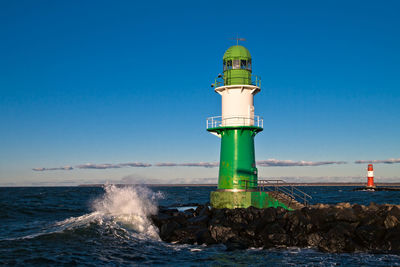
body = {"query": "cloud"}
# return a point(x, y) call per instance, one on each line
point(386, 161)
point(198, 180)
point(112, 166)
point(195, 164)
point(135, 164)
point(166, 164)
point(290, 163)
point(331, 179)
point(139, 179)
point(97, 166)
point(65, 168)
point(261, 163)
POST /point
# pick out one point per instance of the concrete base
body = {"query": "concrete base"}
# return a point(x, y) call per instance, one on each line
point(245, 199)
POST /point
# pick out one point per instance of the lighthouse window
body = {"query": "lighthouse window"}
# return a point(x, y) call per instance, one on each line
point(243, 64)
point(249, 64)
point(225, 65)
point(229, 64)
point(236, 64)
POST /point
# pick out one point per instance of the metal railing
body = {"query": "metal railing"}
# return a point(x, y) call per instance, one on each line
point(255, 80)
point(219, 121)
point(285, 188)
point(279, 186)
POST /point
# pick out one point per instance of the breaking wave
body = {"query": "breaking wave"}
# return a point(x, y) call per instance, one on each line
point(123, 211)
point(130, 206)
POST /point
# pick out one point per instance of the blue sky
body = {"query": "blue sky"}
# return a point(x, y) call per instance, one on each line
point(114, 82)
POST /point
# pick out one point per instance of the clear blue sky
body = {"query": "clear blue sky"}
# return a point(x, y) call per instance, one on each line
point(113, 82)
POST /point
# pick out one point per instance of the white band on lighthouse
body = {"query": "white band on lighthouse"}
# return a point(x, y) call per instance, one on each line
point(237, 104)
point(370, 173)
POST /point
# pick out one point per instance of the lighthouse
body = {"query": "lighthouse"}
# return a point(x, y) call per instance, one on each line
point(370, 174)
point(237, 126)
point(371, 184)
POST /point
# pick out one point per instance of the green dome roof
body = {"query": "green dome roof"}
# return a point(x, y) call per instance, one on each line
point(237, 51)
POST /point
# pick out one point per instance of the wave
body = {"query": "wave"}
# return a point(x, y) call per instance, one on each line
point(123, 211)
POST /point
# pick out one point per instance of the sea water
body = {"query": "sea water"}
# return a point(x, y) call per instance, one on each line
point(94, 226)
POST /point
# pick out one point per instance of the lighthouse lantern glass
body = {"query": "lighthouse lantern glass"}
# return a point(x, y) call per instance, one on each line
point(236, 64)
point(229, 65)
point(243, 64)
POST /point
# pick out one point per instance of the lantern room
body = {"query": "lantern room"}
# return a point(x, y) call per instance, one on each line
point(237, 65)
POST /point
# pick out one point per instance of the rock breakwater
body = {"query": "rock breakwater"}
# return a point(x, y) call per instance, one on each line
point(329, 228)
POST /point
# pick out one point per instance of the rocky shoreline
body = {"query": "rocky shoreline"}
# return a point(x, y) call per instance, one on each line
point(329, 228)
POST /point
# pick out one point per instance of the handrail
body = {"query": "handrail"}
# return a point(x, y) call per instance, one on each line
point(255, 80)
point(283, 184)
point(280, 186)
point(219, 121)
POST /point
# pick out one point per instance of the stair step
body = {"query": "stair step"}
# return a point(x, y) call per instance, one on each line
point(286, 199)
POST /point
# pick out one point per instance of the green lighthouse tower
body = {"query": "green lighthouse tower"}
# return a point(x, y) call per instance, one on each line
point(237, 126)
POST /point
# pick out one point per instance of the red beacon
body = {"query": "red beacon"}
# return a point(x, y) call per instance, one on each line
point(370, 183)
point(371, 187)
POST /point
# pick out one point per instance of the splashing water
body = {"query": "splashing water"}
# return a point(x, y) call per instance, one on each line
point(123, 209)
point(130, 206)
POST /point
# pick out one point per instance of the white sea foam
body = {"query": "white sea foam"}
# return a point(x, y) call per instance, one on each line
point(130, 206)
point(125, 209)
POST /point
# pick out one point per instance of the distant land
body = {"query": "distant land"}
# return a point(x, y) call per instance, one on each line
point(281, 184)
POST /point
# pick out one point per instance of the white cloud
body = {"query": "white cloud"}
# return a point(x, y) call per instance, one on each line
point(98, 166)
point(291, 163)
point(65, 168)
point(112, 166)
point(386, 161)
point(261, 163)
point(193, 164)
point(166, 164)
point(331, 179)
point(138, 179)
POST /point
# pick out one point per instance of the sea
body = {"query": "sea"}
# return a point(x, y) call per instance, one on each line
point(109, 226)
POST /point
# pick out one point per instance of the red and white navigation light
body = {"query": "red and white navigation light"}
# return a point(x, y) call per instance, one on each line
point(370, 182)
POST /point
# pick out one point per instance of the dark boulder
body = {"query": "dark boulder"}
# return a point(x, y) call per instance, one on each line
point(160, 219)
point(395, 211)
point(279, 239)
point(369, 236)
point(187, 235)
point(346, 215)
point(392, 239)
point(336, 243)
point(203, 236)
point(314, 239)
point(221, 233)
point(167, 229)
point(391, 221)
point(202, 210)
point(200, 220)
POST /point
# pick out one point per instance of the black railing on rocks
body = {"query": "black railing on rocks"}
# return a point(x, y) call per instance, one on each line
point(280, 187)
